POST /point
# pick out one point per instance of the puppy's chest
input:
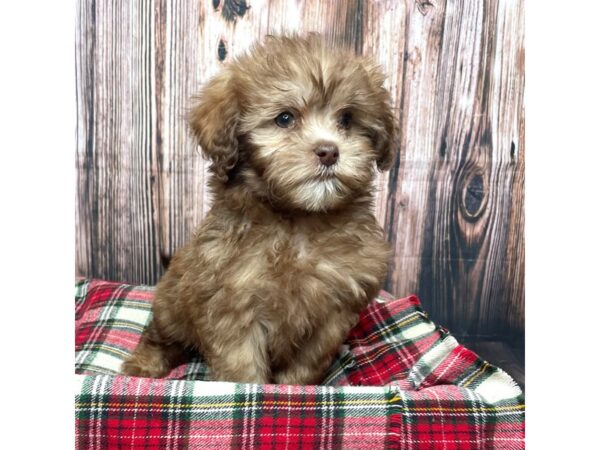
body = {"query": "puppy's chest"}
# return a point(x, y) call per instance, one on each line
point(292, 263)
point(296, 253)
point(290, 253)
point(292, 282)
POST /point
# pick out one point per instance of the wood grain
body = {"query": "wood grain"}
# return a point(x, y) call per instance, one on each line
point(452, 206)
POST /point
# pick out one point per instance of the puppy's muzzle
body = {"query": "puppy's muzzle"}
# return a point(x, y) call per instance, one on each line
point(328, 153)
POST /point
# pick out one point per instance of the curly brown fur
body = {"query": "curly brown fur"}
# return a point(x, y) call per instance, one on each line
point(290, 253)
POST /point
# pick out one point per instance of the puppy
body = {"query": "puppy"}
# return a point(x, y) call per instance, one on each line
point(290, 253)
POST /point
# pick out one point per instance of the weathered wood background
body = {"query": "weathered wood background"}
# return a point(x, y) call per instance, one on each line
point(452, 206)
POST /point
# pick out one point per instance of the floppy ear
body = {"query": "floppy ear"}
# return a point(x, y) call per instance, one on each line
point(214, 120)
point(385, 140)
point(383, 128)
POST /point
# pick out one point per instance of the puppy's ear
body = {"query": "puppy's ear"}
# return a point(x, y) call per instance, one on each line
point(385, 141)
point(383, 128)
point(213, 120)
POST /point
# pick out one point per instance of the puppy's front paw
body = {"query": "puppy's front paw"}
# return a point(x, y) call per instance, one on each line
point(135, 368)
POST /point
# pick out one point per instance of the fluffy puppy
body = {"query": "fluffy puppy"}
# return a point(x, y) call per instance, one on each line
point(289, 254)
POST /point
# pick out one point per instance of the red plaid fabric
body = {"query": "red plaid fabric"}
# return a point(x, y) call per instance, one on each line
point(399, 381)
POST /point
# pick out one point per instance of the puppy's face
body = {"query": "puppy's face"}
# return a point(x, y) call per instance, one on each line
point(305, 125)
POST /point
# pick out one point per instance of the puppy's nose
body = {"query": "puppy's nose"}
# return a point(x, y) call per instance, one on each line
point(328, 153)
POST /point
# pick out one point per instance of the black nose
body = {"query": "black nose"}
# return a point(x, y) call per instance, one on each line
point(328, 153)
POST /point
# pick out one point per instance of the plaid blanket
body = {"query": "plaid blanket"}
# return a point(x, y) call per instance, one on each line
point(400, 381)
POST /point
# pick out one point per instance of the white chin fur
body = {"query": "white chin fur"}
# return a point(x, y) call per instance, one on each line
point(318, 195)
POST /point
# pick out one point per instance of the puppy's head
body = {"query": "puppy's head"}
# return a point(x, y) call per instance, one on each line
point(303, 125)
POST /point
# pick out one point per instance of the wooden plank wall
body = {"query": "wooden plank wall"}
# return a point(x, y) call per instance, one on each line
point(452, 206)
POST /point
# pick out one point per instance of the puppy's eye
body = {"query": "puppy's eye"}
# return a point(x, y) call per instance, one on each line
point(285, 120)
point(345, 119)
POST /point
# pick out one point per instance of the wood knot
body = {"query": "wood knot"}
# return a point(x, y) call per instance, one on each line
point(443, 149)
point(424, 6)
point(474, 197)
point(222, 50)
point(232, 9)
point(403, 201)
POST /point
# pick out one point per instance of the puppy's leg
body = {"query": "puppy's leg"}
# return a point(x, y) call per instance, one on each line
point(309, 363)
point(240, 355)
point(154, 357)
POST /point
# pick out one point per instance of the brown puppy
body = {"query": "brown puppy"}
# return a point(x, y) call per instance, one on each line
point(289, 254)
